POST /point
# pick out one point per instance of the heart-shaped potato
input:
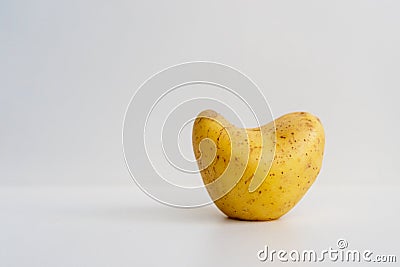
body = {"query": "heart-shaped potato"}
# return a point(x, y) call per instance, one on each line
point(259, 173)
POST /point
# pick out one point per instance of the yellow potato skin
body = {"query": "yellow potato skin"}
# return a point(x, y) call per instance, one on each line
point(299, 141)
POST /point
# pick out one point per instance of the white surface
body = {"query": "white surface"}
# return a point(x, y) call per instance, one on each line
point(69, 68)
point(120, 226)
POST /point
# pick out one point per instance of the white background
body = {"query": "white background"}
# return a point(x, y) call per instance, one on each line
point(69, 68)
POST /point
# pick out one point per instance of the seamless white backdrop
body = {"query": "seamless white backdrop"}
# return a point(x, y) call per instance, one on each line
point(69, 68)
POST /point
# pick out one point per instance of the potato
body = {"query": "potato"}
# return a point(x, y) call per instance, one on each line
point(245, 176)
